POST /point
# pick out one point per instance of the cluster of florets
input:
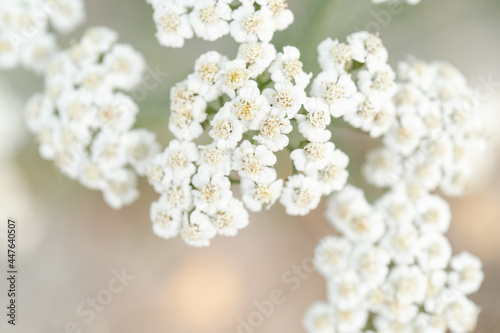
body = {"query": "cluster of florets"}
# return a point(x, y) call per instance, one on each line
point(357, 83)
point(391, 270)
point(25, 30)
point(247, 21)
point(249, 107)
point(437, 134)
point(85, 125)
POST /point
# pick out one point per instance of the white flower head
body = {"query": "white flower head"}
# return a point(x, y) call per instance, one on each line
point(198, 231)
point(466, 275)
point(230, 216)
point(300, 195)
point(338, 91)
point(250, 25)
point(254, 162)
point(313, 125)
point(286, 97)
point(225, 128)
point(172, 24)
point(210, 190)
point(257, 55)
point(209, 19)
point(287, 68)
point(259, 195)
point(273, 129)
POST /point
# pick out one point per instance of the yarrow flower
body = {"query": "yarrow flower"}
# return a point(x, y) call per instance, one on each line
point(404, 279)
point(436, 134)
point(248, 121)
point(246, 21)
point(84, 124)
point(28, 30)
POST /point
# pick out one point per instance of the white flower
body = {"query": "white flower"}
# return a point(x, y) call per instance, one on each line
point(300, 195)
point(174, 165)
point(343, 205)
point(313, 126)
point(461, 315)
point(141, 147)
point(91, 174)
point(177, 196)
point(65, 16)
point(282, 16)
point(273, 129)
point(409, 284)
point(210, 190)
point(249, 25)
point(198, 231)
point(288, 67)
point(434, 251)
point(337, 56)
point(209, 19)
point(74, 106)
point(333, 176)
point(116, 112)
point(97, 40)
point(286, 97)
point(225, 128)
point(338, 91)
point(250, 106)
point(396, 207)
point(256, 195)
point(319, 318)
point(120, 188)
point(351, 320)
point(254, 162)
point(314, 156)
point(377, 79)
point(108, 151)
point(332, 255)
point(466, 275)
point(401, 243)
point(229, 217)
point(372, 264)
point(234, 76)
point(125, 67)
point(369, 46)
point(214, 159)
point(346, 290)
point(36, 55)
point(172, 24)
point(382, 167)
point(166, 221)
point(204, 80)
point(433, 214)
point(257, 55)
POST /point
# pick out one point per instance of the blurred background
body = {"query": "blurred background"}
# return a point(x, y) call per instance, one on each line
point(70, 241)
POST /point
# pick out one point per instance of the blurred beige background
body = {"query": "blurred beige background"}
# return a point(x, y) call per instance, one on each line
point(70, 241)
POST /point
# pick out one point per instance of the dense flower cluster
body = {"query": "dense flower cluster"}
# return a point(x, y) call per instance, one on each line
point(357, 83)
point(247, 21)
point(249, 106)
point(437, 134)
point(26, 30)
point(391, 270)
point(85, 125)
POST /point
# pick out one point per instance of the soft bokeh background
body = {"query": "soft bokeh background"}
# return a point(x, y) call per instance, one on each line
point(70, 241)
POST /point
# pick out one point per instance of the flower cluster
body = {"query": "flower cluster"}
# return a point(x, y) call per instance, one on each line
point(391, 270)
point(85, 125)
point(247, 21)
point(250, 107)
point(26, 37)
point(357, 83)
point(436, 135)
